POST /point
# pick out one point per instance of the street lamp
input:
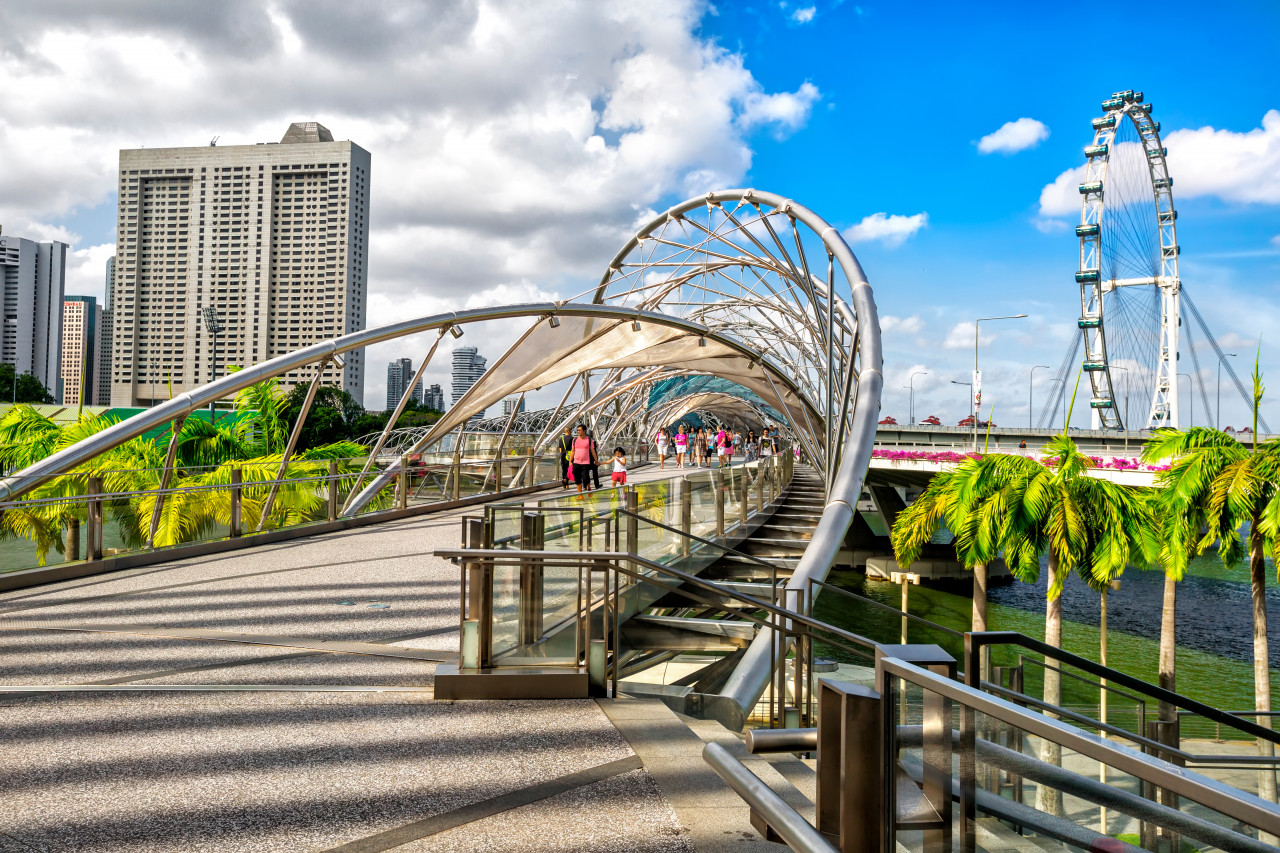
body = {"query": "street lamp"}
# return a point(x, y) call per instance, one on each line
point(912, 386)
point(1031, 391)
point(976, 379)
point(1217, 418)
point(1191, 398)
point(212, 325)
point(970, 384)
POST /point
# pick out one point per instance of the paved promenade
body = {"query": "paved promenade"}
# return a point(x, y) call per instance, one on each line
point(311, 741)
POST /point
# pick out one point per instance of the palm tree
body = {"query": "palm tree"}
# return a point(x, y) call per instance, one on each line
point(1083, 524)
point(1229, 486)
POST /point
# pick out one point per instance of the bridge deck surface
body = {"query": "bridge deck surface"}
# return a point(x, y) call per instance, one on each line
point(323, 763)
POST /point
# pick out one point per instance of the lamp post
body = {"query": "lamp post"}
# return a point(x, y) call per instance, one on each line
point(1191, 398)
point(912, 385)
point(1218, 417)
point(212, 325)
point(978, 387)
point(972, 409)
point(1031, 391)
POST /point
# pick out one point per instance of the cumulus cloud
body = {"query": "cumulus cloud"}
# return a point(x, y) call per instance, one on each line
point(510, 143)
point(1014, 136)
point(1242, 168)
point(890, 324)
point(804, 15)
point(961, 337)
point(890, 230)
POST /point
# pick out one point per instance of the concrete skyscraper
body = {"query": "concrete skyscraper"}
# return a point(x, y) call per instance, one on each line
point(468, 367)
point(273, 237)
point(400, 374)
point(433, 398)
point(81, 346)
point(32, 284)
point(102, 388)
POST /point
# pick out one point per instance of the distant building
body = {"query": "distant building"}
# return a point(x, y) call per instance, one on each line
point(81, 348)
point(399, 375)
point(434, 398)
point(33, 276)
point(273, 237)
point(509, 405)
point(102, 393)
point(468, 367)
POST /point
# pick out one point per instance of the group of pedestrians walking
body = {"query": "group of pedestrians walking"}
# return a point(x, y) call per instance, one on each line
point(696, 450)
point(580, 461)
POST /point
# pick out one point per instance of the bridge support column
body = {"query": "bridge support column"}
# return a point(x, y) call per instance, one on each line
point(402, 483)
point(333, 489)
point(93, 525)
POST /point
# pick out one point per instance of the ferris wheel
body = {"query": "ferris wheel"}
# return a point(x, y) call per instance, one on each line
point(1128, 273)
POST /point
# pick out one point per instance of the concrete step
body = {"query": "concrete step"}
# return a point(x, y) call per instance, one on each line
point(993, 836)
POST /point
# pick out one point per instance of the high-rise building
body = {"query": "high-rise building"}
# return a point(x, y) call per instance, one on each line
point(273, 237)
point(32, 283)
point(433, 398)
point(102, 388)
point(468, 367)
point(399, 375)
point(511, 404)
point(81, 346)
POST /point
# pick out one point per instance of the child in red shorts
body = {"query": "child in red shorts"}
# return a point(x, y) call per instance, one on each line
point(619, 467)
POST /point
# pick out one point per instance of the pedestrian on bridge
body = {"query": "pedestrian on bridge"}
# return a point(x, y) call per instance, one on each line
point(682, 446)
point(700, 447)
point(583, 457)
point(565, 445)
point(662, 440)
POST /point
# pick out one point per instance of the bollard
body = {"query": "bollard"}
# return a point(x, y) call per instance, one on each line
point(333, 489)
point(237, 477)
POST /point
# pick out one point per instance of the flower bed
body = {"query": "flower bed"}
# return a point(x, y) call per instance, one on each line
point(1114, 463)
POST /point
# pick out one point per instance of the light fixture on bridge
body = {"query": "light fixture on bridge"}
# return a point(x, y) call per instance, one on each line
point(702, 340)
point(635, 325)
point(553, 321)
point(456, 331)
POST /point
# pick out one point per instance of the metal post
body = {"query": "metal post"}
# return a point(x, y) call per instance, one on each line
point(293, 442)
point(850, 794)
point(93, 531)
point(457, 465)
point(333, 489)
point(717, 483)
point(532, 538)
point(236, 495)
point(631, 502)
point(743, 498)
point(402, 483)
point(496, 467)
point(686, 514)
point(165, 477)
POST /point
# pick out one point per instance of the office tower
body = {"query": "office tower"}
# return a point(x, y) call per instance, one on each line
point(273, 237)
point(102, 371)
point(509, 405)
point(468, 367)
point(434, 398)
point(81, 345)
point(400, 374)
point(33, 276)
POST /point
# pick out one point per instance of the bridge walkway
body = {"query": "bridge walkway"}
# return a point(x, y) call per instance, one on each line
point(281, 696)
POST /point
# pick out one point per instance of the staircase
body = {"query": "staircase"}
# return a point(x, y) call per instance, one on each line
point(781, 540)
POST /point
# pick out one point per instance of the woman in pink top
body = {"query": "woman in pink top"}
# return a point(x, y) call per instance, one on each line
point(682, 446)
point(583, 458)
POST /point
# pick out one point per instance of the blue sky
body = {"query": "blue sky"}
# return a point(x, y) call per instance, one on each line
point(500, 170)
point(908, 90)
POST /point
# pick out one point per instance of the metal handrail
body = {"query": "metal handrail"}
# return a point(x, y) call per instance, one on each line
point(975, 641)
point(1232, 802)
point(790, 826)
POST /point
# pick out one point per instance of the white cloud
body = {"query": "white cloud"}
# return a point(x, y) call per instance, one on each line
point(86, 273)
point(1275, 241)
point(961, 337)
point(890, 230)
point(804, 15)
point(1062, 197)
point(904, 325)
point(510, 144)
point(1014, 136)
